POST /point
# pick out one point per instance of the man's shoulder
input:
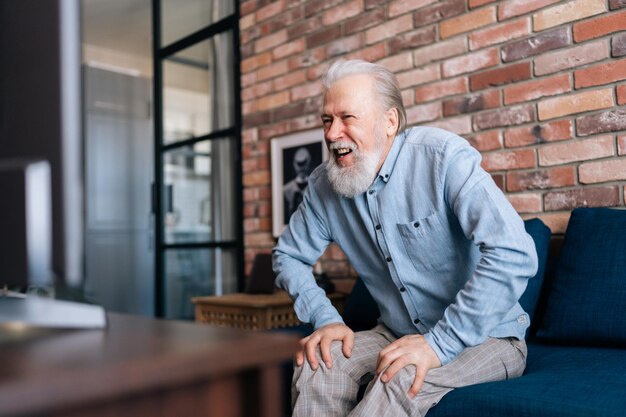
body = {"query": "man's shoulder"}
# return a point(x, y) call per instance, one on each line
point(318, 177)
point(434, 138)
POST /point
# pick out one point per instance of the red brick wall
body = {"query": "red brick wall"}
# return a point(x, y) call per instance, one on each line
point(538, 86)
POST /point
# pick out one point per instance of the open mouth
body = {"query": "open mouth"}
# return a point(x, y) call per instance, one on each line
point(342, 152)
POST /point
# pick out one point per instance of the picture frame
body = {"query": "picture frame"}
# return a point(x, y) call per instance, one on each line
point(293, 158)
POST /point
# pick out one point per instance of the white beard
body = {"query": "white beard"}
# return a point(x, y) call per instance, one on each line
point(356, 179)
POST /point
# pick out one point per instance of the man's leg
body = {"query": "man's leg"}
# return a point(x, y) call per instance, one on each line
point(332, 392)
point(494, 360)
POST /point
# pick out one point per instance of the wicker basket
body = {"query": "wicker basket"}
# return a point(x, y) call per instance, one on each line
point(252, 311)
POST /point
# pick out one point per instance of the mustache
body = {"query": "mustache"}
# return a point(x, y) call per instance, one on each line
point(342, 144)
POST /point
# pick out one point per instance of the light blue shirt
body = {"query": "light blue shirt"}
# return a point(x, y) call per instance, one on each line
point(436, 242)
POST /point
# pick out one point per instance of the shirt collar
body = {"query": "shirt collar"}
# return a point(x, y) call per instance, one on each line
point(390, 161)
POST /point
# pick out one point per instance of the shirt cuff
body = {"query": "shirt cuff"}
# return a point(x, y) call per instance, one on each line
point(328, 316)
point(444, 346)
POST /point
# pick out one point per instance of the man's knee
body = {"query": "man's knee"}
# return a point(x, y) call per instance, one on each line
point(337, 357)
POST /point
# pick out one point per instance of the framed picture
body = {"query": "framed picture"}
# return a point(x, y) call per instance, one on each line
point(294, 157)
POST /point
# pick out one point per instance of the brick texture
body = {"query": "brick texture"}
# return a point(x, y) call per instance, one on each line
point(600, 74)
point(575, 103)
point(506, 117)
point(599, 26)
point(487, 141)
point(470, 62)
point(471, 103)
point(618, 45)
point(467, 22)
point(570, 58)
point(562, 153)
point(568, 12)
point(537, 86)
point(602, 171)
point(584, 197)
point(539, 133)
point(441, 89)
point(439, 51)
point(438, 11)
point(621, 94)
point(423, 113)
point(501, 75)
point(616, 4)
point(525, 203)
point(536, 45)
point(609, 121)
point(477, 3)
point(512, 8)
point(501, 33)
point(506, 160)
point(542, 179)
point(532, 90)
point(398, 7)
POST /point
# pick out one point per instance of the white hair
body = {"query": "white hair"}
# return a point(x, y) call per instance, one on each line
point(385, 83)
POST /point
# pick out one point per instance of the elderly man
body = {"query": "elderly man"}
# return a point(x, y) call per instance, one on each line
point(437, 244)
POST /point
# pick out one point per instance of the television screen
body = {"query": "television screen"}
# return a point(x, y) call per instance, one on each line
point(40, 115)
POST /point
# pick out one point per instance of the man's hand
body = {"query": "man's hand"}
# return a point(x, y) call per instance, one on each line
point(323, 337)
point(408, 350)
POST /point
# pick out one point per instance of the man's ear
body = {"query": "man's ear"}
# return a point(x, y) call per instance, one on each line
point(392, 122)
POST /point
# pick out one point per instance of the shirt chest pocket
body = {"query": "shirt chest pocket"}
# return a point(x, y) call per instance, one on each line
point(428, 244)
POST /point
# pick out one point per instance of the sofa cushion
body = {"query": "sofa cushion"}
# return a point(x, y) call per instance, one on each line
point(558, 382)
point(360, 311)
point(586, 302)
point(541, 236)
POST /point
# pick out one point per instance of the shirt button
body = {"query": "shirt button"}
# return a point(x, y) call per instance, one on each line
point(378, 227)
point(388, 259)
point(402, 289)
point(416, 224)
point(416, 321)
point(371, 191)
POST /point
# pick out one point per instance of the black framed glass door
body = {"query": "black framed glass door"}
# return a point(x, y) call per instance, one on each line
point(197, 198)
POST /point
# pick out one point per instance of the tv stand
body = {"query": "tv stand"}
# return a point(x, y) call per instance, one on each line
point(143, 367)
point(39, 312)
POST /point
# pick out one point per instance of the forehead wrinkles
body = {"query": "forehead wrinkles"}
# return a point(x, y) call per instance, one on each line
point(354, 93)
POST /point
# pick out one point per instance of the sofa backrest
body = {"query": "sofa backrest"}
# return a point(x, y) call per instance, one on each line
point(586, 300)
point(541, 236)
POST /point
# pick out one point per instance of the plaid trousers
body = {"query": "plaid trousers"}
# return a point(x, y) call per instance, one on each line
point(333, 392)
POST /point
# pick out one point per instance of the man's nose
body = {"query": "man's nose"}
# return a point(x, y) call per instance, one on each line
point(335, 130)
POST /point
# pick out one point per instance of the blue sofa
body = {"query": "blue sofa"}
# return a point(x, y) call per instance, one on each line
point(576, 363)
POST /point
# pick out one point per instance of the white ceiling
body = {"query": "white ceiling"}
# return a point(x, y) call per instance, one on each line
point(126, 25)
point(118, 25)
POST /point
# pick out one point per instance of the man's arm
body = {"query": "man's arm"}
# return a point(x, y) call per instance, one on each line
point(298, 248)
point(508, 255)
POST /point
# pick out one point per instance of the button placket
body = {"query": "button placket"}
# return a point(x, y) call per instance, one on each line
point(380, 236)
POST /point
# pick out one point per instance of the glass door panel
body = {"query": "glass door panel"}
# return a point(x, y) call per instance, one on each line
point(198, 178)
point(198, 94)
point(197, 272)
point(199, 198)
point(180, 18)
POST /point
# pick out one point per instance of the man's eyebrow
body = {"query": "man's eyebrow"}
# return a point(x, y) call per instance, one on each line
point(341, 113)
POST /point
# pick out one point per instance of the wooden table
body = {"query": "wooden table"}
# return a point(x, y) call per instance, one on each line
point(142, 367)
point(253, 311)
